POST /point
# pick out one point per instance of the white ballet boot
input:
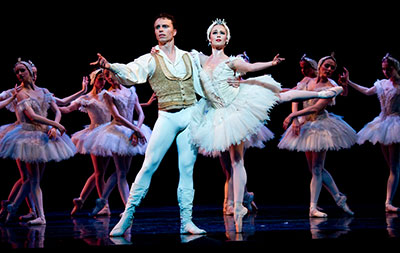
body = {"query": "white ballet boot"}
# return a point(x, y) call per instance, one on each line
point(185, 200)
point(136, 194)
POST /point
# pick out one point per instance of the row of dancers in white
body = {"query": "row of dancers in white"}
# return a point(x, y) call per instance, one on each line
point(228, 118)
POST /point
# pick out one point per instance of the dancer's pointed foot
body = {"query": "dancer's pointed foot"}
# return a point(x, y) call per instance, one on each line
point(105, 211)
point(38, 221)
point(314, 213)
point(240, 212)
point(11, 213)
point(341, 202)
point(248, 201)
point(389, 208)
point(28, 216)
point(190, 228)
point(78, 203)
point(100, 203)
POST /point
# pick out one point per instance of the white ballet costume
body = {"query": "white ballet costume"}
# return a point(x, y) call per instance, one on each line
point(322, 132)
point(30, 142)
point(11, 107)
point(385, 128)
point(112, 138)
point(230, 115)
point(98, 113)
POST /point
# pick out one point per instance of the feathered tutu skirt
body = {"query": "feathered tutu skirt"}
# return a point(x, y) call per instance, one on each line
point(385, 130)
point(111, 138)
point(327, 132)
point(31, 143)
point(214, 130)
point(81, 137)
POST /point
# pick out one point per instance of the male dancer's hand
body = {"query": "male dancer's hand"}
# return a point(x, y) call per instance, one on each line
point(101, 61)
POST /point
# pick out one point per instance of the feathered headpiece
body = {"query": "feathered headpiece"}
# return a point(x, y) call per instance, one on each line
point(219, 22)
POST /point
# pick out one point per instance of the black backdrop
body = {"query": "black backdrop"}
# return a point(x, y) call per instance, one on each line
point(63, 38)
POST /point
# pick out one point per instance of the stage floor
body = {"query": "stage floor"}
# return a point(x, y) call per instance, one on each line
point(286, 226)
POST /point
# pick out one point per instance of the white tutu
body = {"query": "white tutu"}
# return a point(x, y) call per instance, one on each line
point(80, 139)
point(385, 130)
point(30, 143)
point(216, 129)
point(110, 138)
point(327, 132)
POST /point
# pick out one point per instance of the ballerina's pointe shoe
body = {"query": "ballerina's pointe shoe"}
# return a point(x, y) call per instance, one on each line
point(314, 213)
point(240, 212)
point(331, 92)
point(78, 203)
point(389, 208)
point(341, 202)
point(38, 221)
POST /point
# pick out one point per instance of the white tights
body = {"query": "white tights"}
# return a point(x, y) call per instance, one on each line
point(167, 127)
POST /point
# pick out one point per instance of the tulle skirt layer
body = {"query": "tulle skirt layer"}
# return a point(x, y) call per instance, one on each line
point(385, 130)
point(327, 132)
point(31, 143)
point(215, 129)
point(110, 138)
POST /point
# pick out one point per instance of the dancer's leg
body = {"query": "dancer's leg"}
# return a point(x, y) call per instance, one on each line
point(392, 152)
point(23, 192)
point(122, 165)
point(225, 162)
point(35, 173)
point(317, 164)
point(239, 182)
point(164, 132)
point(187, 155)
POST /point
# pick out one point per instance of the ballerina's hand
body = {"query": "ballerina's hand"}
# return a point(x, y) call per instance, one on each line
point(85, 82)
point(101, 61)
point(287, 122)
point(52, 133)
point(277, 60)
point(234, 82)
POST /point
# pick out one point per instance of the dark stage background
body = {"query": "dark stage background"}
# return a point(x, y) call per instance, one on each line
point(63, 38)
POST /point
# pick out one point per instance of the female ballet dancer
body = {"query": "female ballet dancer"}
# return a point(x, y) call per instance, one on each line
point(384, 129)
point(36, 142)
point(231, 117)
point(32, 214)
point(308, 68)
point(94, 105)
point(122, 138)
point(318, 132)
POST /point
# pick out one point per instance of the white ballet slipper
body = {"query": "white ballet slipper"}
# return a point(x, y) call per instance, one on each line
point(38, 221)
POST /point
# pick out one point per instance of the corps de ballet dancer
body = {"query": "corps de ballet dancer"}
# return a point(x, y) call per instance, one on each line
point(36, 142)
point(318, 131)
point(122, 138)
point(385, 128)
point(94, 105)
point(32, 214)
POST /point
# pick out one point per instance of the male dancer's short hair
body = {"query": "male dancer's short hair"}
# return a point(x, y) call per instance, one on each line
point(167, 16)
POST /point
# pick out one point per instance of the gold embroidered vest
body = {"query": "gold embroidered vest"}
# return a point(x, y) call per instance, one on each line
point(172, 92)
